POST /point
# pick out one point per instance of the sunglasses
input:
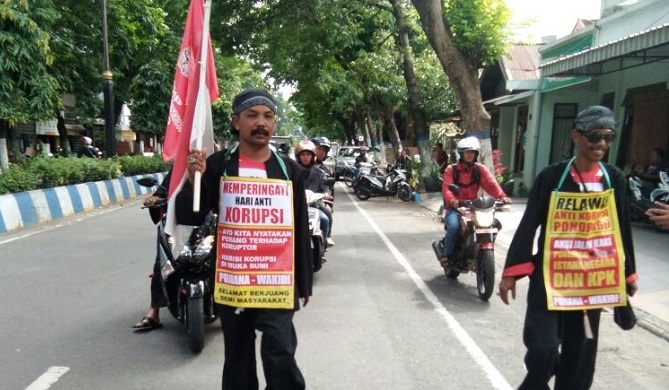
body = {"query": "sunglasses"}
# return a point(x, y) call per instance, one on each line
point(594, 138)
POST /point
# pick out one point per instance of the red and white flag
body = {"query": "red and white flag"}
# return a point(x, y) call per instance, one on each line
point(189, 123)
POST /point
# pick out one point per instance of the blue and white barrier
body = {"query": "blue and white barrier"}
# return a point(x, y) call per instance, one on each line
point(30, 208)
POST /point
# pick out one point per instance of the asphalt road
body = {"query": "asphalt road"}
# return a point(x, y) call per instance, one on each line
point(382, 316)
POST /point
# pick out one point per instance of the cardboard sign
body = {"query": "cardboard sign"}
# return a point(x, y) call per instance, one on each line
point(584, 261)
point(254, 256)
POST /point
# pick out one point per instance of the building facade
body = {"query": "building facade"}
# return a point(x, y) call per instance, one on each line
point(620, 61)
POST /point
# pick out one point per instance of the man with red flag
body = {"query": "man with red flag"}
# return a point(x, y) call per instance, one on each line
point(189, 126)
point(189, 122)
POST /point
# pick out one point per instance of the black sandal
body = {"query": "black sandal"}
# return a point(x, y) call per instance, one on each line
point(147, 323)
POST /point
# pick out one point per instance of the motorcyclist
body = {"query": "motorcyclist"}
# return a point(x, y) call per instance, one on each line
point(470, 177)
point(363, 157)
point(314, 180)
point(87, 149)
point(323, 146)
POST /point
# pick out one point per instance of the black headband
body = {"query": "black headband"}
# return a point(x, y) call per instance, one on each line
point(252, 97)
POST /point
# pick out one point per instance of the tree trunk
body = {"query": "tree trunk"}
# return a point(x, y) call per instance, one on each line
point(419, 121)
point(4, 154)
point(462, 74)
point(65, 148)
point(388, 115)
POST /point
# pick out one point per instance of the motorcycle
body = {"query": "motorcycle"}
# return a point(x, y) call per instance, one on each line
point(639, 204)
point(188, 279)
point(359, 171)
point(474, 248)
point(318, 236)
point(392, 184)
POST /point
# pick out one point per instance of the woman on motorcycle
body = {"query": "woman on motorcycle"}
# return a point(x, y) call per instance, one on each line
point(314, 180)
point(470, 177)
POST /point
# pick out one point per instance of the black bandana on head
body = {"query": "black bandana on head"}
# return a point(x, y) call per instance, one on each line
point(249, 98)
point(252, 97)
point(595, 117)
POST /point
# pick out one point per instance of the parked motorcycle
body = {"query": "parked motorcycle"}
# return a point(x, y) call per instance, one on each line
point(474, 248)
point(187, 280)
point(394, 183)
point(318, 236)
point(639, 204)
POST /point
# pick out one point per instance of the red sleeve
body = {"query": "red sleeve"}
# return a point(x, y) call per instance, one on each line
point(519, 270)
point(447, 180)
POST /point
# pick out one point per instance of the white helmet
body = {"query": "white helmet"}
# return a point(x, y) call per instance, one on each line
point(468, 143)
point(86, 141)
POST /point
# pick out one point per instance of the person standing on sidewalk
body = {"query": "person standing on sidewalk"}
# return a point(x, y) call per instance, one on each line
point(581, 211)
point(256, 193)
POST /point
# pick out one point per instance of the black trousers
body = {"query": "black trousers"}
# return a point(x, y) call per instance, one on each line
point(158, 299)
point(557, 346)
point(277, 349)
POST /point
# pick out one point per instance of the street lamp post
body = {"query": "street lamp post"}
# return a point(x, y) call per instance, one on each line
point(107, 89)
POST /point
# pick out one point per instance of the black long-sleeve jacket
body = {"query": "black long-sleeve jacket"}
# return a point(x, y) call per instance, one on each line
point(520, 260)
point(217, 164)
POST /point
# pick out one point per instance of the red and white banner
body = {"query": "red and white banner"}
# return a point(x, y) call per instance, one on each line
point(189, 122)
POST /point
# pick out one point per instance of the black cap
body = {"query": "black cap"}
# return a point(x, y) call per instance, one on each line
point(249, 98)
point(595, 117)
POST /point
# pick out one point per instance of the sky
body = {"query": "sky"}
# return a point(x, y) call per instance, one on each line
point(551, 17)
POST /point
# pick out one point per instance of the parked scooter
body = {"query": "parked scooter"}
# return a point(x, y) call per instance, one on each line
point(639, 204)
point(392, 184)
point(188, 279)
point(318, 236)
point(475, 242)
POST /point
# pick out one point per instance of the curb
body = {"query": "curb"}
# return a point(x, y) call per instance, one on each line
point(24, 209)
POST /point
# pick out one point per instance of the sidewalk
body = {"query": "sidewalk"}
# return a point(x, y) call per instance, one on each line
point(652, 309)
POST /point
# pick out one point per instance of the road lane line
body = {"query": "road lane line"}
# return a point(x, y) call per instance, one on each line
point(494, 376)
point(47, 379)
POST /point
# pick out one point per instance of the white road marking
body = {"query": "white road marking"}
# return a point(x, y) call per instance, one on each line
point(47, 379)
point(494, 376)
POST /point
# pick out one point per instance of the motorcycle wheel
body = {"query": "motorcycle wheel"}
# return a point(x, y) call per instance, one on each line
point(317, 253)
point(195, 324)
point(404, 192)
point(485, 274)
point(362, 193)
point(348, 180)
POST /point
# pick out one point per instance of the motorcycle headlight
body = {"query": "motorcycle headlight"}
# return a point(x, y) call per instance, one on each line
point(484, 218)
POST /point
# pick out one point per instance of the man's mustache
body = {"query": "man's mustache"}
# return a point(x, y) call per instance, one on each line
point(258, 131)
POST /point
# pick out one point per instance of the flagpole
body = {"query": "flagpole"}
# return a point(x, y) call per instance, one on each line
point(204, 51)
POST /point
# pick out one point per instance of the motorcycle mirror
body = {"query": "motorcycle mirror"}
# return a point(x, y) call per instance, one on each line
point(147, 181)
point(454, 189)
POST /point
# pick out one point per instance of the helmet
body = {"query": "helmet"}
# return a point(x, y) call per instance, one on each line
point(322, 142)
point(305, 145)
point(86, 141)
point(468, 143)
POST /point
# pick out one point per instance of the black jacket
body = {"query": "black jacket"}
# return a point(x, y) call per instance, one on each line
point(520, 260)
point(217, 164)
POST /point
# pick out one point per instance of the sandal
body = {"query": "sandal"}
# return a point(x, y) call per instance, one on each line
point(147, 323)
point(444, 262)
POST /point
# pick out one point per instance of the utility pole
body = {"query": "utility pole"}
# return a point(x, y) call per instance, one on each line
point(107, 89)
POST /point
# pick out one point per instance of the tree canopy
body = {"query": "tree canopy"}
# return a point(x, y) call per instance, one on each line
point(345, 60)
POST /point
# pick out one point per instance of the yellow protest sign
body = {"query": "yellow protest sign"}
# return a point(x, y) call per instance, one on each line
point(584, 260)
